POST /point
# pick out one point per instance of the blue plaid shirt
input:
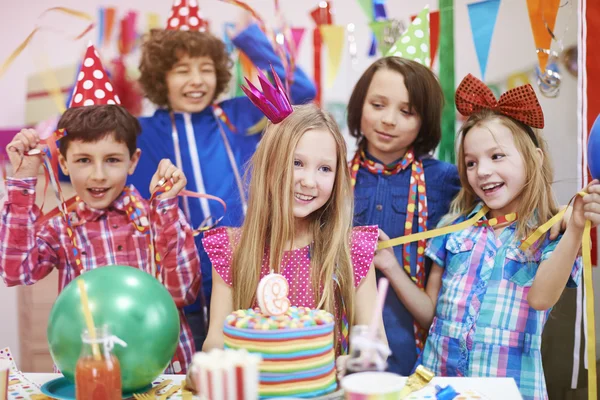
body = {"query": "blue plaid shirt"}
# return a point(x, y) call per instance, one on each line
point(484, 325)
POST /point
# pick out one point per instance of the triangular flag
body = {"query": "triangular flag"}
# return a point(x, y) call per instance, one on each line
point(434, 34)
point(386, 33)
point(109, 22)
point(542, 16)
point(483, 17)
point(297, 34)
point(414, 43)
point(333, 37)
point(367, 7)
point(228, 27)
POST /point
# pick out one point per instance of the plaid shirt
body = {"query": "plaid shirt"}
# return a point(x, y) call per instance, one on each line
point(29, 251)
point(483, 324)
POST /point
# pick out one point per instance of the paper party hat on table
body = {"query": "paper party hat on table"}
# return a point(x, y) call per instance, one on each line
point(93, 86)
point(185, 16)
point(414, 43)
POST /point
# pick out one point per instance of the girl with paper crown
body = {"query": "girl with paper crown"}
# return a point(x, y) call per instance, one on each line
point(487, 299)
point(300, 216)
point(184, 69)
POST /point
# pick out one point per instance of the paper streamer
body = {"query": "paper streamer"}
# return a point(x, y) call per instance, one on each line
point(586, 252)
point(321, 15)
point(68, 11)
point(446, 148)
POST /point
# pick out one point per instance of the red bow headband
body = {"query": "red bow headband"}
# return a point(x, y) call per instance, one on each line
point(519, 103)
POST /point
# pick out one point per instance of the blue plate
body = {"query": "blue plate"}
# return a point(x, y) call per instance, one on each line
point(63, 389)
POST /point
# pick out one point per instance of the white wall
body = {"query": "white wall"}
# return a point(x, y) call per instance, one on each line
point(512, 50)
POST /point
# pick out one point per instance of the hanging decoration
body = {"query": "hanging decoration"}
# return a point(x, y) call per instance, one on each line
point(446, 75)
point(379, 14)
point(333, 37)
point(542, 16)
point(387, 33)
point(483, 17)
point(105, 25)
point(321, 15)
point(352, 48)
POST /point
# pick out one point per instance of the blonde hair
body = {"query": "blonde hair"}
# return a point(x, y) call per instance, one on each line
point(536, 201)
point(269, 223)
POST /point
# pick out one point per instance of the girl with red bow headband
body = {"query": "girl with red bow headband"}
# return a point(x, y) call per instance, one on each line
point(487, 299)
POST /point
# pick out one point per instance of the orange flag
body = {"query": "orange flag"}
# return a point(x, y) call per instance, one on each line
point(542, 15)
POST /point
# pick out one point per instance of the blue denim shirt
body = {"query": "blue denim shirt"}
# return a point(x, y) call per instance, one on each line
point(381, 200)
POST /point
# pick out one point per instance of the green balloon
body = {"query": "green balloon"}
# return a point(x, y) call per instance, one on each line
point(137, 309)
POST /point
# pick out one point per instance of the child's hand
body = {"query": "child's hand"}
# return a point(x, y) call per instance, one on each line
point(385, 259)
point(591, 203)
point(587, 207)
point(340, 366)
point(24, 166)
point(165, 171)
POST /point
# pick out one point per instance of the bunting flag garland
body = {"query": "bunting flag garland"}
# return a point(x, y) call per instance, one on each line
point(542, 16)
point(483, 17)
point(333, 37)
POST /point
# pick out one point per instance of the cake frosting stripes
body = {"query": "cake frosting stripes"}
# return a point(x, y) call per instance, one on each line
point(296, 348)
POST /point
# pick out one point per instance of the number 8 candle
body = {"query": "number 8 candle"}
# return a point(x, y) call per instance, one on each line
point(272, 294)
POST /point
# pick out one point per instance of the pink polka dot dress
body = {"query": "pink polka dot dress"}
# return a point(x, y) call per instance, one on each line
point(295, 265)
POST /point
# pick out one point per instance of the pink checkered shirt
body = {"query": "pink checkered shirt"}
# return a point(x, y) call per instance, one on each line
point(29, 251)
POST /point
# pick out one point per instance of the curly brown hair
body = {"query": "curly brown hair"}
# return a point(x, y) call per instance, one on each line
point(163, 48)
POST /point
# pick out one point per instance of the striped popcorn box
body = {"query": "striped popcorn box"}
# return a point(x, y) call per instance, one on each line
point(226, 375)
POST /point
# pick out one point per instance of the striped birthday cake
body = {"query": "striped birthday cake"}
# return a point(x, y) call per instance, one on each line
point(296, 348)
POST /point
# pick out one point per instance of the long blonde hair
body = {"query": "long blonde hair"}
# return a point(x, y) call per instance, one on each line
point(536, 201)
point(269, 223)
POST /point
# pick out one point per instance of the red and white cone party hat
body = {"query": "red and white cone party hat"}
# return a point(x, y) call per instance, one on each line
point(185, 16)
point(93, 86)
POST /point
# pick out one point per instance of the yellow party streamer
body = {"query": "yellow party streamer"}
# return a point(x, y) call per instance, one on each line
point(589, 290)
point(79, 14)
point(589, 302)
point(433, 233)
